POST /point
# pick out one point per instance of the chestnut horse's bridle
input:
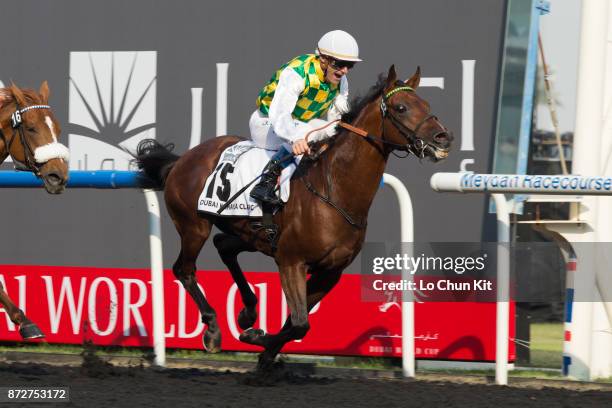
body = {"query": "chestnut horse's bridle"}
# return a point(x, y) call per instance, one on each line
point(30, 163)
point(414, 144)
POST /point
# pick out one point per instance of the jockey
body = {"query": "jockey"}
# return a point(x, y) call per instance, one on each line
point(304, 94)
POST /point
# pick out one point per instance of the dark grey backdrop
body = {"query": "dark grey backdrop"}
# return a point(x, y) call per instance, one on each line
point(109, 228)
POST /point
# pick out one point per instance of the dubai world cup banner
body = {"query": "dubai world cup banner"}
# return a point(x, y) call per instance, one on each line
point(114, 307)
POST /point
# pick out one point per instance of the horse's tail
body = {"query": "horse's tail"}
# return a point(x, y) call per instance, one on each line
point(155, 160)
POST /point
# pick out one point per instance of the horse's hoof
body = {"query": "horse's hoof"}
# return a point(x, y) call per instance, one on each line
point(30, 331)
point(246, 318)
point(212, 341)
point(266, 363)
point(252, 336)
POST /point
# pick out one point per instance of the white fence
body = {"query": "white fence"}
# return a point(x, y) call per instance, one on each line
point(578, 348)
point(110, 179)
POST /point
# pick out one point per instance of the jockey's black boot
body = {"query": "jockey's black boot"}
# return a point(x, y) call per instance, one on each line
point(264, 190)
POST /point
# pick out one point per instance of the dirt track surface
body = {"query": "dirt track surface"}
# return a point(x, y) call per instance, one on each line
point(103, 385)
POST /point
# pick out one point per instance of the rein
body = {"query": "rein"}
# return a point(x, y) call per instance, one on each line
point(30, 163)
point(414, 145)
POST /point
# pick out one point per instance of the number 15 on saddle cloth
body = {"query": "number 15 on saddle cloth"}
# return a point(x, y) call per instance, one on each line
point(238, 165)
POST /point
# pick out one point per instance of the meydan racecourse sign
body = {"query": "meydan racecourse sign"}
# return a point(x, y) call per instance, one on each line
point(514, 183)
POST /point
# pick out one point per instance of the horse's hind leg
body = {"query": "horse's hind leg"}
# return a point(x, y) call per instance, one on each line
point(229, 246)
point(193, 236)
point(27, 328)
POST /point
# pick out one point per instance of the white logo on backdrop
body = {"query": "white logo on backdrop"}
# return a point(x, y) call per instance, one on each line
point(111, 107)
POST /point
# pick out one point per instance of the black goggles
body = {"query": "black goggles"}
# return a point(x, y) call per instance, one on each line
point(339, 64)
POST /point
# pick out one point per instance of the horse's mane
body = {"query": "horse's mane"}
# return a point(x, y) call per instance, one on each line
point(6, 100)
point(31, 96)
point(359, 102)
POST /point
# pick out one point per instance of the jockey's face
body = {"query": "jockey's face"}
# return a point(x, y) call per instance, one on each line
point(335, 69)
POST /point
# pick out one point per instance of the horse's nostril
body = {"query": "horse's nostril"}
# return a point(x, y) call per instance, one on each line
point(441, 138)
point(54, 179)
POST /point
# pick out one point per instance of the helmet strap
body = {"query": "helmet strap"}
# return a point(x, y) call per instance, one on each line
point(323, 56)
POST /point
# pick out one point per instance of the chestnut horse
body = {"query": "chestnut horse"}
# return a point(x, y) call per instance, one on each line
point(321, 228)
point(29, 133)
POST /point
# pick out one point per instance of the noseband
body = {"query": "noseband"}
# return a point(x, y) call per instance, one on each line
point(414, 144)
point(30, 163)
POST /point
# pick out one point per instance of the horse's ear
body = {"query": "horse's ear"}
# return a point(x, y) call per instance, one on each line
point(414, 80)
point(19, 96)
point(44, 92)
point(391, 78)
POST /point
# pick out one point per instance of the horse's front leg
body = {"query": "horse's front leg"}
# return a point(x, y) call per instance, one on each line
point(317, 287)
point(293, 282)
point(27, 328)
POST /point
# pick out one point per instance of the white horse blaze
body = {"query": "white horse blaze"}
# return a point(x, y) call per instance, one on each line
point(49, 123)
point(52, 150)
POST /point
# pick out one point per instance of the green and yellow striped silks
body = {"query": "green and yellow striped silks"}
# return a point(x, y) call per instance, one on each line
point(317, 96)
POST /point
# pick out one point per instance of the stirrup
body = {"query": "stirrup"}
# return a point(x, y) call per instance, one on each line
point(267, 225)
point(271, 232)
point(270, 228)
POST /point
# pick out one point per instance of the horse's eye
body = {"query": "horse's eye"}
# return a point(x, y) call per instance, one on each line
point(400, 108)
point(31, 129)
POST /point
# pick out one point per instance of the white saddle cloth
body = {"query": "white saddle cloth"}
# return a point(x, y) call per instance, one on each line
point(238, 165)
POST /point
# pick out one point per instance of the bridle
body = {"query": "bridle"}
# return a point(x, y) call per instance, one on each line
point(30, 163)
point(414, 144)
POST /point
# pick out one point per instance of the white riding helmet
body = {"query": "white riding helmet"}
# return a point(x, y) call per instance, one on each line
point(340, 45)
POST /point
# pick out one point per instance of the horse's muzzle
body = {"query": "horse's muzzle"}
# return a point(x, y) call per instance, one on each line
point(443, 139)
point(54, 174)
point(54, 182)
point(439, 146)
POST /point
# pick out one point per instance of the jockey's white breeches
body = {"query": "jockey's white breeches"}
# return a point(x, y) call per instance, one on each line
point(263, 134)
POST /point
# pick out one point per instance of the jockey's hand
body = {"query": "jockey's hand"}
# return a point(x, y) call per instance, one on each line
point(300, 146)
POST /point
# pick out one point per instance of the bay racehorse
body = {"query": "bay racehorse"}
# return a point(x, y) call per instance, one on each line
point(29, 134)
point(321, 228)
